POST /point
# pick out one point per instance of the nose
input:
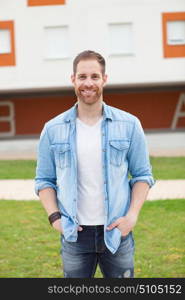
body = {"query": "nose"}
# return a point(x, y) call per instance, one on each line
point(88, 82)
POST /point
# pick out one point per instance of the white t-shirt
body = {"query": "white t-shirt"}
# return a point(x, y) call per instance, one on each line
point(90, 202)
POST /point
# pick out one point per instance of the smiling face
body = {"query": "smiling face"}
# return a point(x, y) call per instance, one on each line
point(88, 81)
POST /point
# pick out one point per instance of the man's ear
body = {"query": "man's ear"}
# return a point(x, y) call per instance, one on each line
point(105, 79)
point(72, 78)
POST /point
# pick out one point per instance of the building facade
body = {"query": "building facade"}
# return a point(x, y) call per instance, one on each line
point(143, 42)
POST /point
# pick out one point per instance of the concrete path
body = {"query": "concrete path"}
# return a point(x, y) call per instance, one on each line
point(24, 190)
point(166, 143)
point(159, 144)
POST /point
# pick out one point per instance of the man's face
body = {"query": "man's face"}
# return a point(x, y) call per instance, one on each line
point(89, 81)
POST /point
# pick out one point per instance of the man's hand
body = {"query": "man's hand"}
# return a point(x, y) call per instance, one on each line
point(124, 224)
point(58, 227)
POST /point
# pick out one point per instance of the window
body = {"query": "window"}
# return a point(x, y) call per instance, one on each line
point(121, 39)
point(45, 2)
point(7, 125)
point(56, 43)
point(174, 34)
point(5, 41)
point(7, 51)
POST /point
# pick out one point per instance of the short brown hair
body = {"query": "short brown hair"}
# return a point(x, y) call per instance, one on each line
point(89, 54)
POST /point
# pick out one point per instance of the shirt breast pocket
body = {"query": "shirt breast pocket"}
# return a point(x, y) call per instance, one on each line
point(62, 154)
point(118, 151)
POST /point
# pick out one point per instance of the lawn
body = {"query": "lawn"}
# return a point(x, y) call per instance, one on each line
point(168, 167)
point(17, 169)
point(163, 168)
point(30, 247)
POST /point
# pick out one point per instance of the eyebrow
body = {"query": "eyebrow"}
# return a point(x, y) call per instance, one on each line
point(84, 74)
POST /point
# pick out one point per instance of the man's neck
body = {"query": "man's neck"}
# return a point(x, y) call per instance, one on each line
point(89, 114)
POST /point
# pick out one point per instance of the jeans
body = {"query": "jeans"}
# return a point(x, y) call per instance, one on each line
point(80, 259)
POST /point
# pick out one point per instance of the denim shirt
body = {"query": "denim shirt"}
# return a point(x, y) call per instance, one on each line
point(124, 152)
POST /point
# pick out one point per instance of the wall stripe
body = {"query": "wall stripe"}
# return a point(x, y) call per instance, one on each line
point(154, 109)
point(45, 2)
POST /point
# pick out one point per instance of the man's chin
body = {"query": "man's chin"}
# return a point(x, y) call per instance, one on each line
point(89, 100)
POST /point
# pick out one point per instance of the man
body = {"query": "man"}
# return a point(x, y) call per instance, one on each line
point(84, 158)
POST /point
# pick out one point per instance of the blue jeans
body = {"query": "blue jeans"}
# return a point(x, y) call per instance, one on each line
point(80, 259)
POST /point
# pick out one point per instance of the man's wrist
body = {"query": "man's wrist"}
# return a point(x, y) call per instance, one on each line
point(54, 216)
point(133, 215)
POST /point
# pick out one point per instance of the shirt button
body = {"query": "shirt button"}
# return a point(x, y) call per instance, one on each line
point(103, 150)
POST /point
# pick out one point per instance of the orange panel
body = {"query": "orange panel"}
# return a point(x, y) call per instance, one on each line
point(8, 59)
point(154, 109)
point(4, 111)
point(4, 126)
point(172, 50)
point(45, 2)
point(32, 112)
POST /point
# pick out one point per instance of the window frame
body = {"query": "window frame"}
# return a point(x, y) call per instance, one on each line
point(8, 59)
point(170, 51)
point(45, 2)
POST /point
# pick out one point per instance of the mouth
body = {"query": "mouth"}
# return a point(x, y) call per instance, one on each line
point(88, 92)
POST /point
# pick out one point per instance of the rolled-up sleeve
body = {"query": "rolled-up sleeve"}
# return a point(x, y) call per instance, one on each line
point(45, 170)
point(138, 157)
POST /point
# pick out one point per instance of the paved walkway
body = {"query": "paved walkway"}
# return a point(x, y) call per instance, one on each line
point(159, 143)
point(24, 190)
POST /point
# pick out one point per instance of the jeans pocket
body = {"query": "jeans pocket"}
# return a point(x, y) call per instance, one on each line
point(118, 151)
point(127, 242)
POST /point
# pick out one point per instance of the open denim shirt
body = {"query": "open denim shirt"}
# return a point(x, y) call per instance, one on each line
point(124, 151)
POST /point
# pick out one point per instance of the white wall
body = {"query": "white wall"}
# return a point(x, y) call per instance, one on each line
point(88, 29)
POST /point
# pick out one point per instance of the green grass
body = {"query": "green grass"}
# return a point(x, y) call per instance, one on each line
point(160, 239)
point(163, 168)
point(17, 169)
point(168, 167)
point(30, 247)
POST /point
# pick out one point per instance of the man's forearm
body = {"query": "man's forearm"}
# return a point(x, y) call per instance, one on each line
point(48, 199)
point(126, 224)
point(139, 194)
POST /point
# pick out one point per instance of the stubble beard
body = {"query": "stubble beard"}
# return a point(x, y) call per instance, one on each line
point(89, 100)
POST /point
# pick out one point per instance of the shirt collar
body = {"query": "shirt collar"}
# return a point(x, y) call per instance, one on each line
point(72, 113)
